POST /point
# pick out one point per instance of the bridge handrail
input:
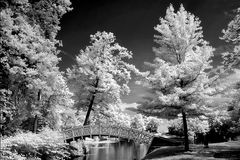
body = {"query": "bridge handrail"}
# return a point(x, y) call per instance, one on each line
point(104, 125)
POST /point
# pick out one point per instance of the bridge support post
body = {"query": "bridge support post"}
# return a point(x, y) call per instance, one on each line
point(100, 137)
point(90, 131)
point(73, 135)
point(64, 137)
point(135, 152)
point(149, 149)
point(82, 133)
point(109, 130)
point(128, 135)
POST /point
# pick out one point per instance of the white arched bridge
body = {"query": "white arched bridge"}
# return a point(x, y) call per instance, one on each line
point(108, 130)
point(135, 135)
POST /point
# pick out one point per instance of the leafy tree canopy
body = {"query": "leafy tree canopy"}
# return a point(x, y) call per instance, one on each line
point(180, 68)
point(101, 74)
point(30, 79)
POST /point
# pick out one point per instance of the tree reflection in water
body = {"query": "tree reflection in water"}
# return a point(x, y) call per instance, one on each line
point(122, 150)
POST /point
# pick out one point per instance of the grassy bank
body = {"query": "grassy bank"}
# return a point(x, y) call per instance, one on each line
point(220, 151)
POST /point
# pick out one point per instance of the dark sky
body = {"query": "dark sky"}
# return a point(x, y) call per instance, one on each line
point(132, 22)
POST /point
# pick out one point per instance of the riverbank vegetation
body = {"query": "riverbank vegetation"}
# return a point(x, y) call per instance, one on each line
point(38, 100)
point(47, 144)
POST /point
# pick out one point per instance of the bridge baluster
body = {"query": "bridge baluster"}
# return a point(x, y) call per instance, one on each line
point(100, 129)
point(109, 131)
point(90, 131)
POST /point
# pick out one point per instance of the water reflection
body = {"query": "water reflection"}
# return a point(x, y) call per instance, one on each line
point(122, 150)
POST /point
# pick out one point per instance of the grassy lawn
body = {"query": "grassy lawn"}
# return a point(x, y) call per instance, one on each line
point(220, 151)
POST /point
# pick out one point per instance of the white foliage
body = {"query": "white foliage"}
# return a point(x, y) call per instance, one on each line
point(102, 71)
point(28, 47)
point(180, 78)
point(232, 34)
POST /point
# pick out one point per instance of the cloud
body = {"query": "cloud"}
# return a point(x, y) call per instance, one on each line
point(136, 94)
point(226, 83)
point(129, 108)
point(235, 76)
point(125, 106)
point(230, 80)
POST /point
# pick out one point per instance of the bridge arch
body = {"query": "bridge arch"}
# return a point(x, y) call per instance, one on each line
point(108, 130)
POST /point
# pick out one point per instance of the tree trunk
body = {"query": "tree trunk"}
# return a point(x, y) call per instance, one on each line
point(91, 104)
point(205, 140)
point(35, 125)
point(185, 130)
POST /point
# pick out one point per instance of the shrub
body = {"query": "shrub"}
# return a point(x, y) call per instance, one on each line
point(152, 125)
point(78, 148)
point(196, 126)
point(223, 129)
point(48, 144)
point(137, 122)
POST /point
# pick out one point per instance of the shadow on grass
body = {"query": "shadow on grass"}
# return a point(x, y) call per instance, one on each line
point(227, 154)
point(165, 151)
point(226, 150)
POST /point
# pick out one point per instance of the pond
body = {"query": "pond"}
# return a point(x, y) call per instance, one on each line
point(122, 150)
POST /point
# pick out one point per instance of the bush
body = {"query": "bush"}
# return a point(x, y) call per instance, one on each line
point(137, 122)
point(48, 144)
point(152, 126)
point(196, 128)
point(78, 148)
point(223, 130)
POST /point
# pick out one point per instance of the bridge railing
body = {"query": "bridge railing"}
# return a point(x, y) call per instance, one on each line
point(109, 130)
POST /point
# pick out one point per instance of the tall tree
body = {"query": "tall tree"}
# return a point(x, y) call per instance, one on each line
point(28, 60)
point(101, 74)
point(231, 61)
point(179, 76)
point(232, 35)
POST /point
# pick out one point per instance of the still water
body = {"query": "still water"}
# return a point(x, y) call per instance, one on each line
point(122, 150)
